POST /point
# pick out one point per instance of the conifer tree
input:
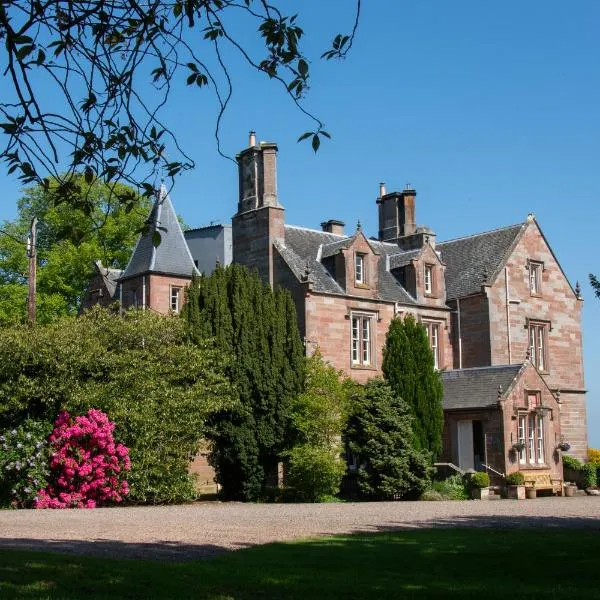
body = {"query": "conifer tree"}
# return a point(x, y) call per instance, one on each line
point(408, 368)
point(258, 329)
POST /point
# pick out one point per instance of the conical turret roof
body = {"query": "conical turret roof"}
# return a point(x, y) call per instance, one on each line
point(162, 247)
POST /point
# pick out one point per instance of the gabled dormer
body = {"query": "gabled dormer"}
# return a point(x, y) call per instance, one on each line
point(422, 274)
point(353, 263)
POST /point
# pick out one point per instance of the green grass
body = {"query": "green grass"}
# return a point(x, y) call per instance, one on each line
point(456, 563)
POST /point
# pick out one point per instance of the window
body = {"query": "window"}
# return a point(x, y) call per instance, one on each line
point(530, 433)
point(433, 335)
point(359, 269)
point(428, 279)
point(521, 438)
point(175, 299)
point(361, 340)
point(537, 345)
point(535, 278)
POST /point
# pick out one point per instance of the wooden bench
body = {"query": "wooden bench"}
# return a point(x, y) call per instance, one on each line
point(543, 480)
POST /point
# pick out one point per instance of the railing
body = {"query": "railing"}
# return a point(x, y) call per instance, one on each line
point(488, 468)
point(450, 466)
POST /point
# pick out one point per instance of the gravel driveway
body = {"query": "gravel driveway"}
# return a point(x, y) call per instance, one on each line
point(200, 530)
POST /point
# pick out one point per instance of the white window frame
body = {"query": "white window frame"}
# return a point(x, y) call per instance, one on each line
point(521, 437)
point(433, 335)
point(537, 345)
point(362, 338)
point(535, 278)
point(175, 295)
point(530, 433)
point(359, 268)
point(428, 284)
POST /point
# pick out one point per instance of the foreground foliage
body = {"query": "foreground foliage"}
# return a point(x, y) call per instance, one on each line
point(409, 370)
point(24, 456)
point(70, 238)
point(258, 329)
point(87, 467)
point(380, 434)
point(407, 564)
point(319, 414)
point(139, 370)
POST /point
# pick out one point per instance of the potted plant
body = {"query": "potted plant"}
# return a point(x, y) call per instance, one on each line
point(480, 483)
point(564, 446)
point(518, 446)
point(515, 483)
point(531, 492)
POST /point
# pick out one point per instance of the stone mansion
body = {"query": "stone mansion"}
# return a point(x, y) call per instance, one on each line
point(503, 321)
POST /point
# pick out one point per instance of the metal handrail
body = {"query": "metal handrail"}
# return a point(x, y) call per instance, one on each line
point(488, 468)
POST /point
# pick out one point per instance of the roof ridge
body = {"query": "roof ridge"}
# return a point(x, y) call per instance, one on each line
point(340, 235)
point(473, 235)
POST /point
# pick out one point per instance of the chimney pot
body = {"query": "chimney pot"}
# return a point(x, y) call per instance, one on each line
point(382, 189)
point(333, 226)
point(252, 139)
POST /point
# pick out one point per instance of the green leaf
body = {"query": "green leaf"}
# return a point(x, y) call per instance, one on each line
point(191, 78)
point(305, 135)
point(303, 68)
point(316, 142)
point(89, 175)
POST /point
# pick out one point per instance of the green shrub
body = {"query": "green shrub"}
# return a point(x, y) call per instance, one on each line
point(380, 434)
point(590, 475)
point(571, 462)
point(23, 463)
point(139, 369)
point(432, 496)
point(588, 470)
point(480, 480)
point(451, 488)
point(516, 478)
point(314, 473)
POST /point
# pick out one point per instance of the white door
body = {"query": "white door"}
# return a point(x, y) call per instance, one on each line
point(466, 459)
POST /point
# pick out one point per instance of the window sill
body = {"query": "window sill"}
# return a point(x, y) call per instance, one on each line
point(361, 286)
point(363, 367)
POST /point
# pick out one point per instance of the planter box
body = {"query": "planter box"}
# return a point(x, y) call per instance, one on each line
point(570, 490)
point(480, 493)
point(516, 492)
point(530, 493)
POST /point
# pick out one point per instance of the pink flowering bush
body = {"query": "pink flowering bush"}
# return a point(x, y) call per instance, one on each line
point(87, 467)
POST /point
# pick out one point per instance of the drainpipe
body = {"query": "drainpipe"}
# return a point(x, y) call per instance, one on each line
point(507, 314)
point(459, 333)
point(143, 292)
point(120, 298)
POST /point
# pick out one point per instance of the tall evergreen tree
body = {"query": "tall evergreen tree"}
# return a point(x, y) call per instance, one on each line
point(379, 433)
point(257, 328)
point(408, 367)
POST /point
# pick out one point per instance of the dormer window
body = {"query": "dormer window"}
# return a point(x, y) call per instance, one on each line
point(359, 269)
point(535, 278)
point(428, 279)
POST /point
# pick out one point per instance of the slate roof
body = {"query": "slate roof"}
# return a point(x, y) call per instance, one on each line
point(403, 258)
point(172, 255)
point(477, 258)
point(110, 277)
point(477, 387)
point(304, 247)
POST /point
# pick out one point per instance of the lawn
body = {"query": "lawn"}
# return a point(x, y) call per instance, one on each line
point(456, 563)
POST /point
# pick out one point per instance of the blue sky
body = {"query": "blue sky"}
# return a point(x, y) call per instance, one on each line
point(490, 110)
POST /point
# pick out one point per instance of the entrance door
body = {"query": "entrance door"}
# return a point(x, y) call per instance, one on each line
point(466, 457)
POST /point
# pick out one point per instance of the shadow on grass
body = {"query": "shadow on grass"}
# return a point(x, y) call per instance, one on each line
point(455, 562)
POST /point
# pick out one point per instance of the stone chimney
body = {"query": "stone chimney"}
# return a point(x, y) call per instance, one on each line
point(333, 226)
point(257, 167)
point(396, 214)
point(259, 222)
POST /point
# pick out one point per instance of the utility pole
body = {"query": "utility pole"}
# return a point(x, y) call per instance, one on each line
point(32, 254)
